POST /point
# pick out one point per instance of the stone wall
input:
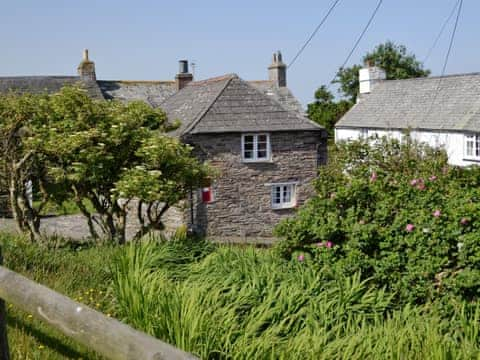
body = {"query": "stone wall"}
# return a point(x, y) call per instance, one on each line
point(242, 195)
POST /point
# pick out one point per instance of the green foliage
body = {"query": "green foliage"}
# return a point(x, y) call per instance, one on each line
point(397, 213)
point(393, 58)
point(98, 153)
point(244, 303)
point(325, 111)
point(78, 271)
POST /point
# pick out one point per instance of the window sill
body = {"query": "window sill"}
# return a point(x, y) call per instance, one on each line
point(284, 207)
point(257, 161)
point(477, 160)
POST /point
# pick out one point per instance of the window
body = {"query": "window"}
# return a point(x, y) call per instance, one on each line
point(255, 147)
point(472, 146)
point(283, 196)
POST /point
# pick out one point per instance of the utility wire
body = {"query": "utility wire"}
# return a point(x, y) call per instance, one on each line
point(441, 32)
point(314, 32)
point(359, 39)
point(447, 56)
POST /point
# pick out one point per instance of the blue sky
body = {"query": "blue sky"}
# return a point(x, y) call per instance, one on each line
point(143, 40)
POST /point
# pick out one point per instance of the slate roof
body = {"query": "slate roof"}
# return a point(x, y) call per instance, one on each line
point(48, 84)
point(283, 95)
point(230, 104)
point(152, 92)
point(435, 103)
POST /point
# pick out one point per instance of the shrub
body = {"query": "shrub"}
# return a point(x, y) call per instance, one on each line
point(397, 213)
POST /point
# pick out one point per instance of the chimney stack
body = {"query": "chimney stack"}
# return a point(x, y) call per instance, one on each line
point(183, 77)
point(86, 69)
point(369, 77)
point(277, 71)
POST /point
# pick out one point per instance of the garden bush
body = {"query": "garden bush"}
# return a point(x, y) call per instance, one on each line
point(397, 213)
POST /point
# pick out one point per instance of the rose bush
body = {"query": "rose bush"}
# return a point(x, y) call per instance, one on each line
point(396, 212)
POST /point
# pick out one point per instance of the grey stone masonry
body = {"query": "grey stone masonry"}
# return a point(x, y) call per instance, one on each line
point(242, 206)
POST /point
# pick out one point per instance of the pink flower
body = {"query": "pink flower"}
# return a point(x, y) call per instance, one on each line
point(373, 177)
point(414, 182)
point(301, 257)
point(464, 221)
point(437, 213)
point(410, 227)
point(329, 244)
point(421, 186)
point(432, 178)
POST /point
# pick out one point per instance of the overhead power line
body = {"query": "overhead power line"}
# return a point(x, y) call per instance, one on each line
point(452, 12)
point(452, 38)
point(445, 62)
point(359, 38)
point(314, 32)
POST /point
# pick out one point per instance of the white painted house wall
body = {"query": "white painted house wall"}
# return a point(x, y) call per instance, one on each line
point(452, 142)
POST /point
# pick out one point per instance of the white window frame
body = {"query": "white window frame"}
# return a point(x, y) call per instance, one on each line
point(475, 140)
point(255, 157)
point(284, 204)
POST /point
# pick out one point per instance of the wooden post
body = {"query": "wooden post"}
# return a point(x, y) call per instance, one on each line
point(4, 352)
point(105, 335)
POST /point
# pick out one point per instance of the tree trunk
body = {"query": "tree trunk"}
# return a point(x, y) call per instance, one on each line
point(16, 212)
point(4, 352)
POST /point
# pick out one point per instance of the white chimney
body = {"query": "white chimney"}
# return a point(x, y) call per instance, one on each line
point(369, 76)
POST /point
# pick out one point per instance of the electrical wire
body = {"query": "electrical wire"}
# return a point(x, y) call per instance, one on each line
point(441, 32)
point(335, 3)
point(447, 56)
point(359, 39)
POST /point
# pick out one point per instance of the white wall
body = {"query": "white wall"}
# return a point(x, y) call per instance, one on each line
point(453, 142)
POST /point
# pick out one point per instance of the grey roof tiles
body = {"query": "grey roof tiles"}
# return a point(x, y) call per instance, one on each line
point(230, 104)
point(48, 84)
point(434, 103)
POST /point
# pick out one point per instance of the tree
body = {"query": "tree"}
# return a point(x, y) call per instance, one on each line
point(18, 163)
point(325, 111)
point(393, 58)
point(108, 153)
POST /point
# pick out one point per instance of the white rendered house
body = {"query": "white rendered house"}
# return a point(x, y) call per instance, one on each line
point(440, 111)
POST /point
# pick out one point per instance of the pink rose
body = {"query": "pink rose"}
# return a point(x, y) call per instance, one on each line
point(410, 227)
point(301, 257)
point(432, 178)
point(437, 213)
point(464, 221)
point(421, 186)
point(329, 244)
point(414, 182)
point(373, 177)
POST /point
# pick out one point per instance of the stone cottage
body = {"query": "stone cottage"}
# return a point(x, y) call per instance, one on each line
point(254, 133)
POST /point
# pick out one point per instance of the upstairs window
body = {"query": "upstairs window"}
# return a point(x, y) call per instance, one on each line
point(283, 196)
point(472, 146)
point(255, 147)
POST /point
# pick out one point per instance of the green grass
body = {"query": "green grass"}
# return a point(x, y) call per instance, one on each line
point(68, 207)
point(223, 302)
point(244, 303)
point(80, 273)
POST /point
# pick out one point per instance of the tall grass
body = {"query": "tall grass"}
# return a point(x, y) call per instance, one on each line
point(245, 303)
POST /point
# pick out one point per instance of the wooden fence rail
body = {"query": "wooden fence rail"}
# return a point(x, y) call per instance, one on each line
point(105, 335)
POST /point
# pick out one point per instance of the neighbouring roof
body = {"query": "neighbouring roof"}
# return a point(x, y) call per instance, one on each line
point(230, 104)
point(48, 84)
point(152, 92)
point(281, 94)
point(434, 103)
